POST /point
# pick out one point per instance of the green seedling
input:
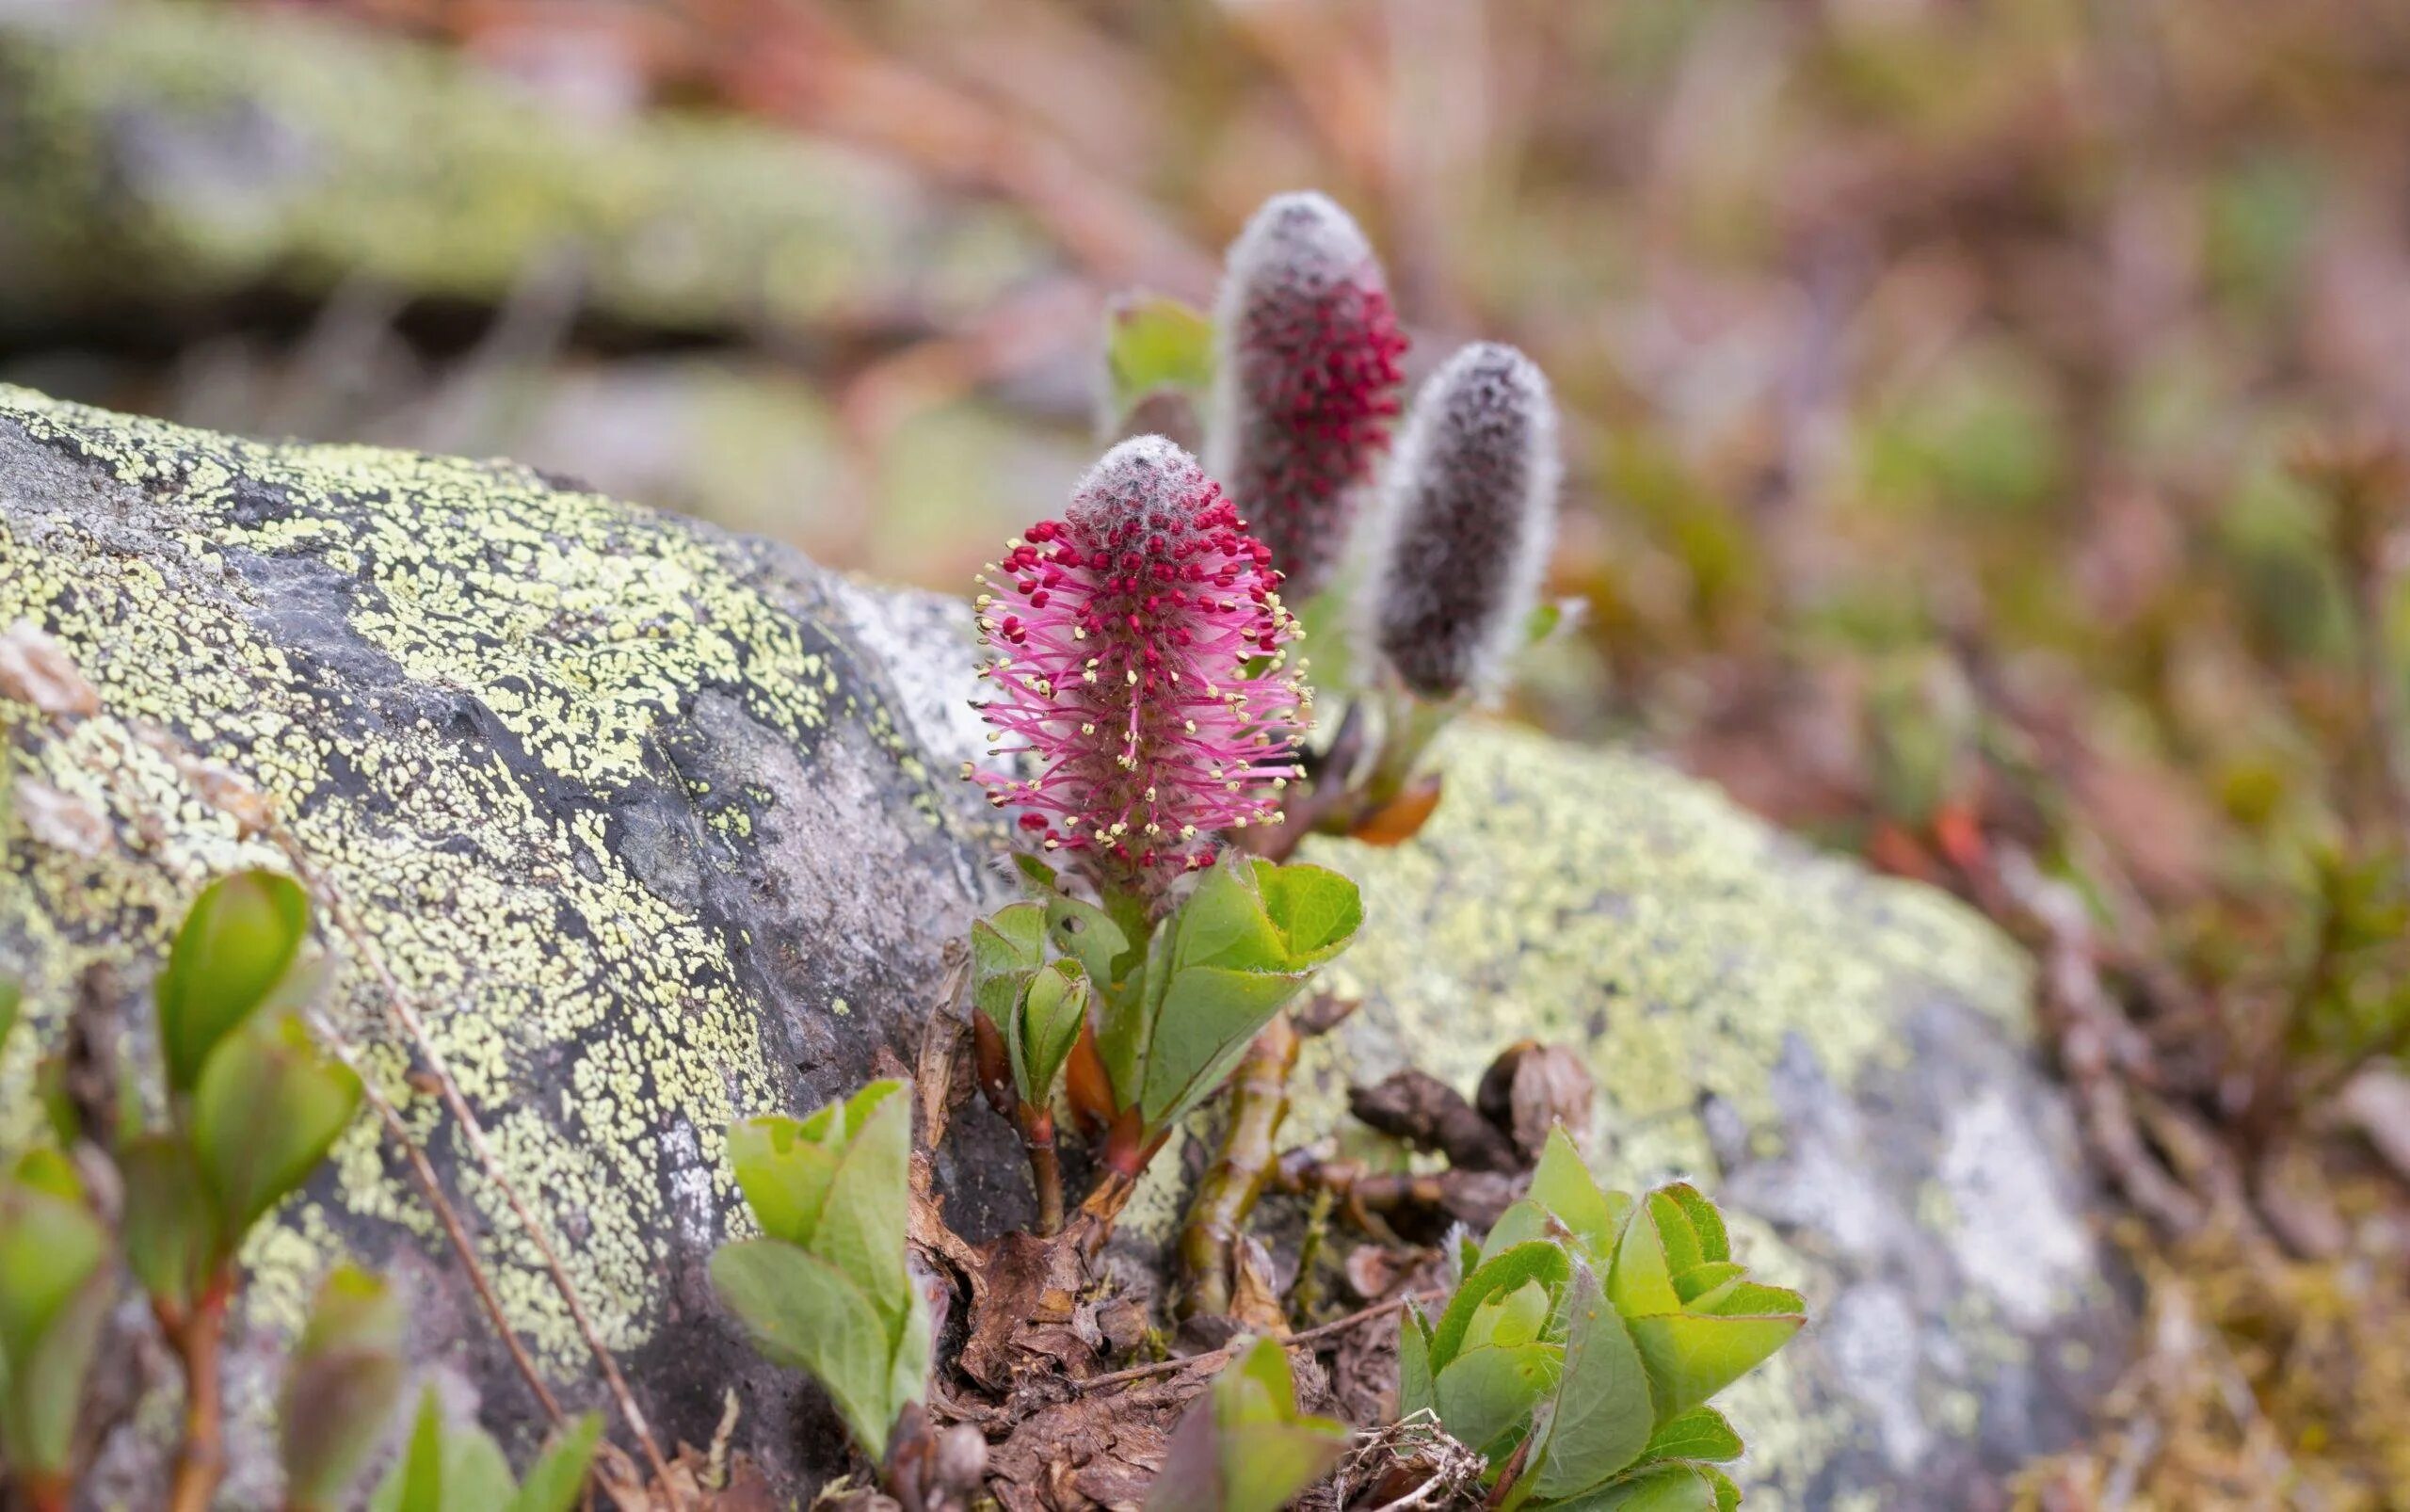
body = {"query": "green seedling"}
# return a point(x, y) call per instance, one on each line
point(1244, 1446)
point(461, 1469)
point(825, 1289)
point(1582, 1348)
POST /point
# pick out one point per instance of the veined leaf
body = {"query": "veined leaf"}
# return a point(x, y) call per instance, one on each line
point(1317, 910)
point(784, 1174)
point(1701, 1433)
point(1698, 1281)
point(1004, 949)
point(1208, 1017)
point(1046, 1025)
point(1509, 1271)
point(862, 1221)
point(1675, 1233)
point(172, 1239)
point(1599, 1421)
point(1414, 1385)
point(268, 1107)
point(1563, 1184)
point(237, 942)
point(1691, 1358)
point(1639, 1282)
point(1486, 1393)
point(804, 1313)
point(1707, 1223)
point(1658, 1489)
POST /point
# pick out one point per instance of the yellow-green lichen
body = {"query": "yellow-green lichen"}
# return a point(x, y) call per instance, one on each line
point(564, 633)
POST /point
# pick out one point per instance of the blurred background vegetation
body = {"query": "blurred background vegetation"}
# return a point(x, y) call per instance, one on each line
point(1983, 420)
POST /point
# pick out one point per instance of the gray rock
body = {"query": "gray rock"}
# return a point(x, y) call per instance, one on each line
point(659, 827)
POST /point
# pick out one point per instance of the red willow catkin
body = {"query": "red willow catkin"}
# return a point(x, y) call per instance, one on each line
point(1306, 380)
point(1462, 535)
point(1139, 660)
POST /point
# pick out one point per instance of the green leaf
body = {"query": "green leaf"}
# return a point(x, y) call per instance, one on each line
point(1523, 1221)
point(269, 1108)
point(172, 1239)
point(1509, 1271)
point(783, 1172)
point(1053, 1009)
point(50, 1245)
point(1691, 1357)
point(1005, 950)
point(1208, 1018)
point(1317, 910)
point(1747, 1299)
point(1151, 342)
point(1706, 1222)
point(1088, 935)
point(1675, 1233)
point(42, 1392)
point(1563, 1184)
point(1414, 1385)
point(1727, 1496)
point(804, 1313)
point(1658, 1489)
point(1639, 1283)
point(415, 1484)
point(236, 945)
point(862, 1222)
point(1485, 1393)
point(1270, 1451)
point(1698, 1281)
point(11, 998)
point(1224, 922)
point(1701, 1433)
point(340, 1388)
point(558, 1475)
point(475, 1474)
point(1599, 1421)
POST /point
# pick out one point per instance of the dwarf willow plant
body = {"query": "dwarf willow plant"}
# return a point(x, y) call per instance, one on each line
point(457, 1467)
point(826, 1290)
point(341, 1386)
point(1580, 1351)
point(56, 1287)
point(252, 1106)
point(1244, 1446)
point(1144, 713)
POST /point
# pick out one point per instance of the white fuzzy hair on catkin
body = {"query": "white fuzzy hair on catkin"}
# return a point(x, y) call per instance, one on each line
point(1459, 541)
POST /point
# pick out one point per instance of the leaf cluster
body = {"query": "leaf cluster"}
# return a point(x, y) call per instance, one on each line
point(459, 1467)
point(825, 1290)
point(1590, 1330)
point(1244, 1446)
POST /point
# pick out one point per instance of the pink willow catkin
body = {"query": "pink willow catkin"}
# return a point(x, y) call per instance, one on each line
point(1306, 380)
point(1140, 661)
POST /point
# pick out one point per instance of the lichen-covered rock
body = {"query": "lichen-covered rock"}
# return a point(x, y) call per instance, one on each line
point(158, 156)
point(659, 826)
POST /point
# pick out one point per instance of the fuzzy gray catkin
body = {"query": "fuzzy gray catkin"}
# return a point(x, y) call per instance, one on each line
point(1461, 540)
point(1305, 381)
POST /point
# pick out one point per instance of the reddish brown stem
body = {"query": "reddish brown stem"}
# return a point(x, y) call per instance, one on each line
point(45, 1493)
point(200, 1459)
point(1045, 1168)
